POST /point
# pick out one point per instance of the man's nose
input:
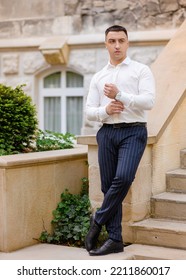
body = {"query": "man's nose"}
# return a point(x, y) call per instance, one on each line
point(117, 45)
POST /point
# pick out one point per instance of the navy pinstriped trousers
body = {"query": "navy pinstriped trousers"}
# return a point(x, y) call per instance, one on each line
point(119, 153)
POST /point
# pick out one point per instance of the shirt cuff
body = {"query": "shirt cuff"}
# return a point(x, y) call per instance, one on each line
point(125, 99)
point(102, 113)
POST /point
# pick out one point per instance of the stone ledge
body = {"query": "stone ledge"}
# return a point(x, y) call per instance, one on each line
point(143, 37)
point(91, 140)
point(42, 157)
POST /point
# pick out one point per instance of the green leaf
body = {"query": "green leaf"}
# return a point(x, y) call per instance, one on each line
point(71, 218)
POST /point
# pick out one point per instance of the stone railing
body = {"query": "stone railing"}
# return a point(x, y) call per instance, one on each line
point(30, 188)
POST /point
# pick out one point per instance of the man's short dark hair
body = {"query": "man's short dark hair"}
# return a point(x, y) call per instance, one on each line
point(116, 28)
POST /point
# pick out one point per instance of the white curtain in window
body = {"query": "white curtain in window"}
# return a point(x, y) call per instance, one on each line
point(74, 114)
point(73, 80)
point(53, 80)
point(52, 114)
point(74, 104)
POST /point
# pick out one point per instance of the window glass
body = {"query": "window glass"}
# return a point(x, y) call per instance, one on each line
point(53, 80)
point(52, 114)
point(73, 80)
point(74, 114)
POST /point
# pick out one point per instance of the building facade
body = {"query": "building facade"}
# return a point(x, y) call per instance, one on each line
point(55, 47)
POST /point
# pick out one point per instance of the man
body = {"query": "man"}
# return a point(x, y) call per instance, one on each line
point(119, 97)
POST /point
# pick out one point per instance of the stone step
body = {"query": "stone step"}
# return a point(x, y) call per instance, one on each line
point(161, 232)
point(169, 205)
point(176, 180)
point(59, 252)
point(149, 252)
point(183, 158)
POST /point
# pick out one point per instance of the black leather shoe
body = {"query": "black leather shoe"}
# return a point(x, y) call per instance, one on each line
point(108, 247)
point(92, 236)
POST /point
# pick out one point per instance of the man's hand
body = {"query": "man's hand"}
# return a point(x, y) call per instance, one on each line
point(114, 107)
point(110, 90)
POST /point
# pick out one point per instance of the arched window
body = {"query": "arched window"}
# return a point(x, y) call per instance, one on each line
point(61, 102)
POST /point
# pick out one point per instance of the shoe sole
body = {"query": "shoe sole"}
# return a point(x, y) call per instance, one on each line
point(113, 252)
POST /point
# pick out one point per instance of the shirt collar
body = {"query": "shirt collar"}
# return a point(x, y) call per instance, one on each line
point(126, 61)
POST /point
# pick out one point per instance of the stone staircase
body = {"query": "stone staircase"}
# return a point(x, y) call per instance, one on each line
point(167, 225)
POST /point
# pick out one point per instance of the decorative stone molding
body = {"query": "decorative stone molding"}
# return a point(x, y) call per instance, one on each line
point(33, 62)
point(94, 40)
point(10, 64)
point(55, 50)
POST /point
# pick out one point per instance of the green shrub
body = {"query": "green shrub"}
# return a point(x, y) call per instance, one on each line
point(71, 219)
point(18, 123)
point(18, 120)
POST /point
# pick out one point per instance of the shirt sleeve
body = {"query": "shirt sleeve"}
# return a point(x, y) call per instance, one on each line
point(94, 111)
point(145, 97)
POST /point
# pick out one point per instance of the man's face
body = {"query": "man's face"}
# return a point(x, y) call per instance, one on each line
point(117, 44)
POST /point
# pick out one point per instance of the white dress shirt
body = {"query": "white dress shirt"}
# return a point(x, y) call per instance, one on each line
point(136, 84)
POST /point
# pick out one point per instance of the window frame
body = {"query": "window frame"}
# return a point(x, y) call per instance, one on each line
point(63, 92)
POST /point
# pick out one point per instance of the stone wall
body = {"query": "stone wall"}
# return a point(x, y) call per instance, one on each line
point(30, 188)
point(25, 18)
